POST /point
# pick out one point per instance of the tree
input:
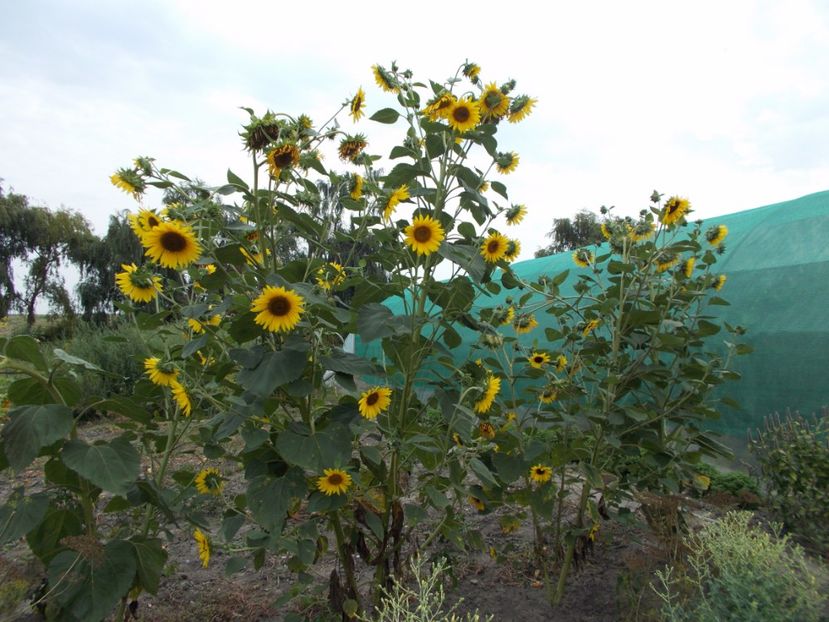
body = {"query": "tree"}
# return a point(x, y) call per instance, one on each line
point(568, 235)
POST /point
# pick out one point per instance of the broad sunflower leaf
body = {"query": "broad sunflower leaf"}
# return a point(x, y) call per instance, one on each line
point(385, 115)
point(31, 428)
point(25, 348)
point(274, 370)
point(347, 363)
point(21, 514)
point(324, 448)
point(112, 466)
point(150, 558)
point(270, 498)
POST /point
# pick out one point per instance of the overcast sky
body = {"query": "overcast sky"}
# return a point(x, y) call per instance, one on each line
point(723, 102)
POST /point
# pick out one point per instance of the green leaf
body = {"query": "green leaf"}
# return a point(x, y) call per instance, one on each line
point(483, 473)
point(271, 497)
point(326, 448)
point(509, 468)
point(25, 348)
point(112, 466)
point(385, 115)
point(21, 514)
point(319, 502)
point(375, 321)
point(467, 256)
point(59, 522)
point(126, 407)
point(75, 361)
point(150, 558)
point(500, 188)
point(90, 588)
point(234, 180)
point(234, 565)
point(436, 144)
point(347, 363)
point(31, 428)
point(274, 370)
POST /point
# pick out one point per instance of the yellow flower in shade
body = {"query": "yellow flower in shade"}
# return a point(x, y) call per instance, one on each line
point(471, 71)
point(688, 267)
point(502, 316)
point(674, 210)
point(493, 103)
point(715, 235)
point(278, 309)
point(181, 397)
point(351, 147)
point(521, 107)
point(162, 374)
point(511, 416)
point(203, 546)
point(594, 530)
point(253, 259)
point(665, 262)
point(642, 231)
point(516, 214)
point(439, 107)
point(561, 363)
point(538, 359)
point(210, 268)
point(172, 244)
point(144, 221)
point(506, 163)
point(493, 386)
point(524, 323)
point(334, 482)
point(424, 235)
point(487, 430)
point(374, 401)
point(330, 275)
point(463, 115)
point(282, 158)
point(209, 481)
point(541, 473)
point(457, 439)
point(719, 282)
point(495, 246)
point(400, 194)
point(513, 250)
point(606, 232)
point(384, 79)
point(483, 187)
point(198, 327)
point(137, 285)
point(583, 258)
point(548, 395)
point(356, 105)
point(477, 503)
point(590, 327)
point(356, 191)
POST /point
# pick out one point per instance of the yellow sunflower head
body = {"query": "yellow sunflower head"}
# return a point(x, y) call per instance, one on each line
point(145, 220)
point(356, 105)
point(521, 107)
point(589, 327)
point(524, 323)
point(561, 363)
point(137, 284)
point(472, 71)
point(129, 181)
point(356, 189)
point(463, 115)
point(488, 394)
point(715, 235)
point(674, 210)
point(477, 503)
point(282, 157)
point(719, 282)
point(688, 267)
point(666, 261)
point(334, 482)
point(278, 309)
point(385, 80)
point(642, 231)
point(515, 214)
point(439, 107)
point(583, 258)
point(330, 275)
point(398, 195)
point(487, 430)
point(493, 103)
point(513, 250)
point(209, 481)
point(172, 244)
point(163, 374)
point(351, 147)
point(501, 316)
point(548, 395)
point(424, 235)
point(181, 398)
point(203, 545)
point(374, 401)
point(495, 247)
point(541, 473)
point(538, 359)
point(507, 162)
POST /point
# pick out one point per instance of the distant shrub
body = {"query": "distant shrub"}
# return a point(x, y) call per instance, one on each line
point(793, 457)
point(737, 573)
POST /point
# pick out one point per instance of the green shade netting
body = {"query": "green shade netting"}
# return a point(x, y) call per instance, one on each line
point(777, 267)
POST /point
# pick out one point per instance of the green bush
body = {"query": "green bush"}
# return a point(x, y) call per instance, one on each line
point(735, 484)
point(735, 572)
point(793, 457)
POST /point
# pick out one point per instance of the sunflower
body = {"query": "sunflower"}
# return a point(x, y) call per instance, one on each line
point(524, 323)
point(541, 473)
point(487, 430)
point(330, 275)
point(515, 214)
point(506, 163)
point(463, 115)
point(493, 386)
point(493, 340)
point(642, 231)
point(129, 181)
point(399, 194)
point(162, 374)
point(594, 530)
point(172, 244)
point(198, 327)
point(675, 208)
point(548, 395)
point(538, 359)
point(203, 546)
point(333, 482)
point(278, 309)
point(253, 259)
point(374, 401)
point(513, 250)
point(483, 187)
point(424, 235)
point(715, 235)
point(590, 327)
point(521, 107)
point(583, 258)
point(502, 316)
point(282, 158)
point(493, 103)
point(719, 282)
point(144, 221)
point(439, 107)
point(688, 267)
point(209, 481)
point(495, 246)
point(471, 71)
point(181, 397)
point(606, 232)
point(561, 363)
point(476, 503)
point(666, 261)
point(351, 147)
point(136, 284)
point(356, 105)
point(356, 191)
point(384, 79)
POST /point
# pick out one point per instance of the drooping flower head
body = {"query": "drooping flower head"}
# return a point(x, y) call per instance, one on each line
point(583, 258)
point(463, 115)
point(719, 282)
point(507, 162)
point(209, 481)
point(487, 430)
point(439, 107)
point(548, 395)
point(172, 244)
point(385, 80)
point(330, 275)
point(181, 398)
point(666, 261)
point(356, 190)
point(521, 107)
point(203, 545)
point(513, 250)
point(351, 147)
point(674, 210)
point(477, 503)
point(334, 482)
point(357, 104)
point(129, 181)
point(471, 71)
point(642, 231)
point(374, 401)
point(137, 284)
point(688, 267)
point(494, 247)
point(715, 235)
point(493, 103)
point(278, 309)
point(561, 363)
point(488, 394)
point(282, 157)
point(524, 323)
point(424, 235)
point(515, 214)
point(397, 196)
point(162, 374)
point(590, 326)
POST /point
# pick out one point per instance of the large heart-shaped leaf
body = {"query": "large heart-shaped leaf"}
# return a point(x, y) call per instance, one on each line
point(32, 428)
point(113, 466)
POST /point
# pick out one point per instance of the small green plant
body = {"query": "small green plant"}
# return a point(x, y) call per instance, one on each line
point(737, 572)
point(793, 457)
point(425, 602)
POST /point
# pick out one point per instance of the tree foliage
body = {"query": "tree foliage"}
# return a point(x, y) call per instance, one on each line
point(567, 235)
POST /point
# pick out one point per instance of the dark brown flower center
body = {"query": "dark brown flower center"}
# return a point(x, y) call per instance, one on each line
point(173, 241)
point(493, 247)
point(279, 306)
point(153, 222)
point(461, 114)
point(283, 160)
point(372, 399)
point(423, 234)
point(335, 479)
point(538, 359)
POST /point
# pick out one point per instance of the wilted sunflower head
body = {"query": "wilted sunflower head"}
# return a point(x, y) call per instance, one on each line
point(472, 71)
point(261, 132)
point(282, 157)
point(351, 147)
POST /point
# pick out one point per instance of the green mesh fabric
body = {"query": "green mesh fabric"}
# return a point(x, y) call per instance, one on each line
point(777, 267)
